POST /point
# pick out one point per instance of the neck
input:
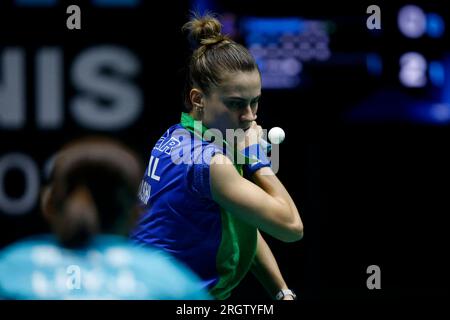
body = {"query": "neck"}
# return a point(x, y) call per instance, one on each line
point(195, 115)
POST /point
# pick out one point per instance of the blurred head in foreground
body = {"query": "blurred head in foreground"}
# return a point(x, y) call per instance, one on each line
point(92, 190)
point(90, 203)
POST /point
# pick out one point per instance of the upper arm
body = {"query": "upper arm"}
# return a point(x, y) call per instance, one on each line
point(247, 200)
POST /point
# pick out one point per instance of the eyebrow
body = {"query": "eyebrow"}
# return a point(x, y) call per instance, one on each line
point(242, 99)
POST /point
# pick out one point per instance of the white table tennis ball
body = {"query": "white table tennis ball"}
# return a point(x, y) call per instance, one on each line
point(276, 135)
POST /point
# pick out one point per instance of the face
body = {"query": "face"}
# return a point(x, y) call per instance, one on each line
point(234, 103)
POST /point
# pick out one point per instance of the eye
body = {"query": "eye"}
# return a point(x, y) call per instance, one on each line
point(254, 103)
point(236, 104)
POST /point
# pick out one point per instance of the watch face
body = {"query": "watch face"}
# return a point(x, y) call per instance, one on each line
point(292, 295)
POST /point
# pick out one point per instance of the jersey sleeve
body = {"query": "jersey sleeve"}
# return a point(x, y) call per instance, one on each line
point(198, 172)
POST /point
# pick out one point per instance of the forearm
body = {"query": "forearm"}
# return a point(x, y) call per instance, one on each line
point(268, 181)
point(266, 270)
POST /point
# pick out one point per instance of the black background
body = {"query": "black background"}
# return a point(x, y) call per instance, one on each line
point(369, 193)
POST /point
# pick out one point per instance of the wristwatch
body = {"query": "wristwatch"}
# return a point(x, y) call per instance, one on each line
point(285, 292)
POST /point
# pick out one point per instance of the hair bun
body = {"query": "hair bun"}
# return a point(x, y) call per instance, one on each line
point(204, 30)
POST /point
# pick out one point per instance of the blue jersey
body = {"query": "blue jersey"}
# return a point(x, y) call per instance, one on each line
point(109, 268)
point(181, 217)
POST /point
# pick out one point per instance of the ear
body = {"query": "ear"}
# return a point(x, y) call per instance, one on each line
point(196, 98)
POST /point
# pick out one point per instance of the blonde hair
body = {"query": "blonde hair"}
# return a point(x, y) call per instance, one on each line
point(214, 55)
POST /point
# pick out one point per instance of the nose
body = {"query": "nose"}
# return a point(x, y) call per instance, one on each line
point(248, 114)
